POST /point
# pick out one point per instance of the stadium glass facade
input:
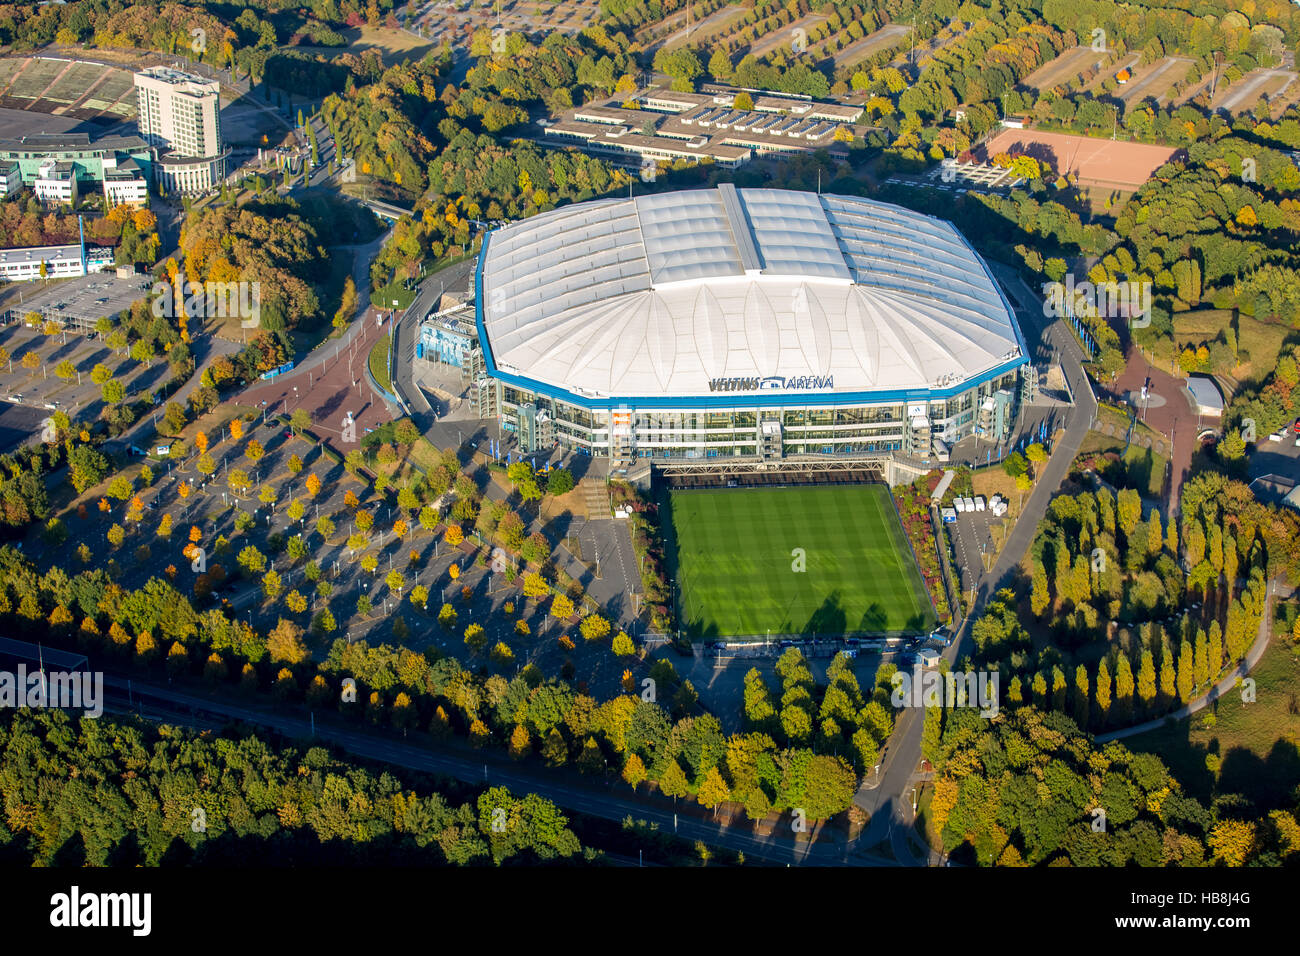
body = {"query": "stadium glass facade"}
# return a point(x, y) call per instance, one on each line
point(917, 428)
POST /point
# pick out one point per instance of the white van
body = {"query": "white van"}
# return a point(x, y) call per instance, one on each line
point(979, 503)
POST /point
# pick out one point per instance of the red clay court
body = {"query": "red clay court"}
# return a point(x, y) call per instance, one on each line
point(330, 383)
point(1096, 162)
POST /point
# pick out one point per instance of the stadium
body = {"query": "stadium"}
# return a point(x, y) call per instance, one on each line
point(731, 323)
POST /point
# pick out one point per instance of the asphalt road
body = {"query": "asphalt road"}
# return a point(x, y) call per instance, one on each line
point(406, 332)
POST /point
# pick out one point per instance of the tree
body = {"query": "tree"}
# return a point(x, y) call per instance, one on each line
point(622, 645)
point(1232, 841)
point(713, 790)
point(591, 761)
point(1103, 692)
point(672, 780)
point(285, 643)
point(1124, 689)
point(1186, 679)
point(535, 586)
point(1129, 508)
point(251, 560)
point(447, 616)
point(521, 743)
point(1081, 696)
point(634, 771)
point(720, 67)
point(521, 475)
point(1040, 597)
point(475, 638)
point(113, 392)
point(594, 627)
point(560, 482)
point(120, 488)
point(1201, 658)
point(1155, 534)
point(174, 418)
point(1168, 678)
point(562, 607)
point(1146, 682)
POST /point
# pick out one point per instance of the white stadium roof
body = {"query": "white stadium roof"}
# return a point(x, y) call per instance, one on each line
point(666, 295)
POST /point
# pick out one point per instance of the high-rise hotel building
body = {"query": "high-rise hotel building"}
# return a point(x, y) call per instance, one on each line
point(179, 114)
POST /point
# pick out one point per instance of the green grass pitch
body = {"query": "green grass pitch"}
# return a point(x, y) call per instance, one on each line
point(733, 553)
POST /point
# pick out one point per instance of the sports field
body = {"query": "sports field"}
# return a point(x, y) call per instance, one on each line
point(734, 554)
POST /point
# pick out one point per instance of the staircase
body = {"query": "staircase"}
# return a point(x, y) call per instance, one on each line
point(596, 498)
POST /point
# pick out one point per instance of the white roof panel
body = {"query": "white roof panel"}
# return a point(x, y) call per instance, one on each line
point(660, 294)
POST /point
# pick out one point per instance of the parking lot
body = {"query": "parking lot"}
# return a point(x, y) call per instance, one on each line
point(1278, 459)
point(971, 539)
point(453, 22)
point(78, 302)
point(42, 388)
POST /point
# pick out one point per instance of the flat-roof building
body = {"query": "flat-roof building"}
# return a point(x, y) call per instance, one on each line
point(60, 262)
point(667, 126)
point(56, 165)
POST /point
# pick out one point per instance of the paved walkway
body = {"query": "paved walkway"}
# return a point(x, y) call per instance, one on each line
point(1168, 410)
point(331, 379)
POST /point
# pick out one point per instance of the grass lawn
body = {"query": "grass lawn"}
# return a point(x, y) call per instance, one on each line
point(1256, 744)
point(378, 362)
point(384, 297)
point(1143, 468)
point(733, 558)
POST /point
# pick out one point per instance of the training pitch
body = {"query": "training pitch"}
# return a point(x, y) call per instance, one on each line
point(734, 554)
